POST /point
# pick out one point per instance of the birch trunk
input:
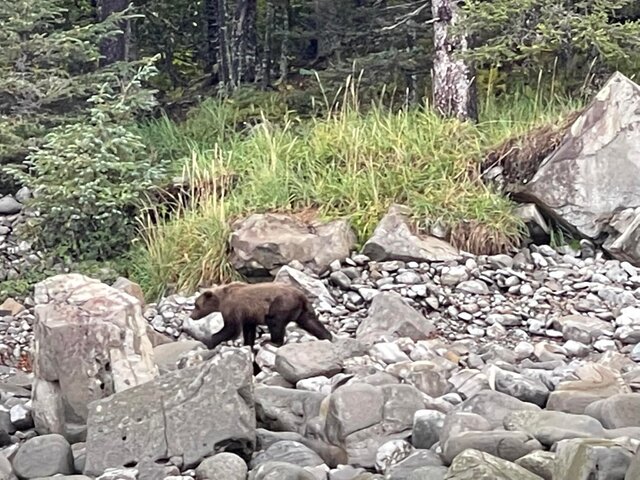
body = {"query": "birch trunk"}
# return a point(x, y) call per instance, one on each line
point(453, 85)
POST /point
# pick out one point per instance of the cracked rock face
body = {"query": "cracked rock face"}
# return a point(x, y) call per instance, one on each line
point(188, 414)
point(90, 341)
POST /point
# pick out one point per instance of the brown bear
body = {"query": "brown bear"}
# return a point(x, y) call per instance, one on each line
point(244, 306)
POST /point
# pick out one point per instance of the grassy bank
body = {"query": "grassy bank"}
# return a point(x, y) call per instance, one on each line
point(349, 163)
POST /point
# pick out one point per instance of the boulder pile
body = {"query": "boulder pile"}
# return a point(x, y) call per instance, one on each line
point(499, 367)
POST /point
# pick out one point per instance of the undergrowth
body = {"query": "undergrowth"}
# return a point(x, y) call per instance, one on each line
point(351, 163)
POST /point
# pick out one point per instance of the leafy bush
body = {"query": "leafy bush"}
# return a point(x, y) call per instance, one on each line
point(89, 177)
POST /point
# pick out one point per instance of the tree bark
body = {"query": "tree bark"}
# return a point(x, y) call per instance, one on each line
point(243, 56)
point(267, 59)
point(114, 49)
point(211, 45)
point(453, 85)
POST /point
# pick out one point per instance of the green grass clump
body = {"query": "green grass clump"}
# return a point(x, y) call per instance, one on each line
point(350, 164)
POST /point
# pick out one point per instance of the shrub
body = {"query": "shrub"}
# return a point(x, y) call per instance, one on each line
point(89, 177)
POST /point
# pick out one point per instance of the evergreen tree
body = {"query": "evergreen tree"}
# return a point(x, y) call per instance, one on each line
point(48, 68)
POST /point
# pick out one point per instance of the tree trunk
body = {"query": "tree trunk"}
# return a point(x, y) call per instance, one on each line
point(284, 45)
point(243, 56)
point(267, 59)
point(114, 49)
point(453, 85)
point(209, 51)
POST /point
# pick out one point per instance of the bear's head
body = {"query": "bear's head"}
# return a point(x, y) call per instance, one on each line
point(207, 303)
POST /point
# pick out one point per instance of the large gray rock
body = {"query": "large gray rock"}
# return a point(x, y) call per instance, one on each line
point(90, 341)
point(296, 361)
point(582, 328)
point(288, 451)
point(618, 411)
point(9, 205)
point(417, 459)
point(390, 315)
point(518, 386)
point(280, 471)
point(223, 466)
point(43, 456)
point(202, 329)
point(393, 239)
point(428, 473)
point(167, 355)
point(427, 425)
point(475, 465)
point(539, 462)
point(634, 468)
point(591, 459)
point(331, 454)
point(286, 409)
point(361, 431)
point(624, 240)
point(190, 413)
point(550, 427)
point(494, 406)
point(595, 171)
point(314, 288)
point(500, 443)
point(6, 471)
point(262, 243)
point(594, 382)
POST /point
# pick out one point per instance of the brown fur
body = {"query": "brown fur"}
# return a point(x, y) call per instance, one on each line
point(245, 306)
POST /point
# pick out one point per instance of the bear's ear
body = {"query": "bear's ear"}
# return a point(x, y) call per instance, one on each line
point(207, 294)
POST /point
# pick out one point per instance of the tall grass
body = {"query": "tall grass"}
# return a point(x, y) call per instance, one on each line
point(350, 163)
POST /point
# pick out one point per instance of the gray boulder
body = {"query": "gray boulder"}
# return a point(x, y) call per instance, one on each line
point(390, 315)
point(280, 471)
point(262, 243)
point(191, 413)
point(494, 406)
point(499, 443)
point(288, 451)
point(90, 341)
point(417, 459)
point(44, 456)
point(594, 383)
point(393, 239)
point(475, 465)
point(312, 287)
point(583, 329)
point(539, 462)
point(223, 466)
point(595, 171)
point(428, 473)
point(591, 459)
point(9, 205)
point(286, 409)
point(520, 387)
point(427, 425)
point(168, 355)
point(550, 427)
point(618, 411)
point(361, 431)
point(297, 361)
